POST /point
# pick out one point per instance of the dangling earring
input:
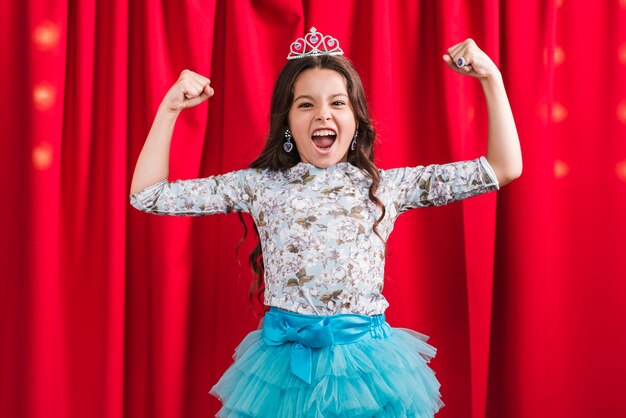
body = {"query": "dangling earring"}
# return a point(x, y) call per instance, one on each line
point(287, 146)
point(353, 145)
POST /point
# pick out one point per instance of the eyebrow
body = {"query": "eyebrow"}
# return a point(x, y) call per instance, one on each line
point(306, 96)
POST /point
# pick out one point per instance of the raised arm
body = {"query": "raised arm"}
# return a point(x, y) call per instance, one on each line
point(503, 147)
point(190, 90)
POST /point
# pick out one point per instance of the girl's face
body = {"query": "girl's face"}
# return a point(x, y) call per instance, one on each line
point(321, 118)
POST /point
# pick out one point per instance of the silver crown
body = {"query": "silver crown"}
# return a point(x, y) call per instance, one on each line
point(314, 43)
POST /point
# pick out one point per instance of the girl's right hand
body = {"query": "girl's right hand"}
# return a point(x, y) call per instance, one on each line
point(190, 90)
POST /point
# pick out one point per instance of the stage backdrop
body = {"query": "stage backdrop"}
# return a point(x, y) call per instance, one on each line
point(108, 312)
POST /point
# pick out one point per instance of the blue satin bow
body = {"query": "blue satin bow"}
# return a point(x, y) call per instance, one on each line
point(310, 331)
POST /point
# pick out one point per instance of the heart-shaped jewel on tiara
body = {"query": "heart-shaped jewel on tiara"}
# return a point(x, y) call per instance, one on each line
point(331, 43)
point(313, 44)
point(296, 47)
point(313, 39)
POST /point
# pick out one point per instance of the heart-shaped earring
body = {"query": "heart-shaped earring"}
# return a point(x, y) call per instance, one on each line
point(288, 145)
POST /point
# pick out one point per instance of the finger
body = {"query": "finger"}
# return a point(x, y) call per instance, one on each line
point(190, 88)
point(192, 80)
point(190, 93)
point(204, 82)
point(463, 57)
point(454, 48)
point(196, 82)
point(187, 93)
point(192, 74)
point(457, 48)
point(466, 49)
point(466, 70)
point(455, 53)
point(196, 100)
point(450, 63)
point(471, 51)
point(208, 90)
point(460, 61)
point(197, 86)
point(198, 78)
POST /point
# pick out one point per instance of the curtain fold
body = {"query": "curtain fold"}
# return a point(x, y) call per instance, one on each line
point(108, 312)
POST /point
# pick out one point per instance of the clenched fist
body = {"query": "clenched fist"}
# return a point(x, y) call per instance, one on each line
point(467, 58)
point(190, 90)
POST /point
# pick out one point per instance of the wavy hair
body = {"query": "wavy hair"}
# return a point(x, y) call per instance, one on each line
point(274, 157)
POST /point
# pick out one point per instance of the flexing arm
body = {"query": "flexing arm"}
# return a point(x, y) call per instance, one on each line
point(190, 90)
point(503, 147)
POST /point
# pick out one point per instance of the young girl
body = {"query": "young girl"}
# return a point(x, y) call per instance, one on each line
point(323, 212)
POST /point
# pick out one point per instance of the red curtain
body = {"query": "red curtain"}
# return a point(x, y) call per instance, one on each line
point(108, 312)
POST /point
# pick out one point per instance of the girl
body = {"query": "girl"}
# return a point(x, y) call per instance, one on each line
point(323, 213)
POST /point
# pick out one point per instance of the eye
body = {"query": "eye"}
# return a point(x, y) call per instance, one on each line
point(304, 105)
point(338, 103)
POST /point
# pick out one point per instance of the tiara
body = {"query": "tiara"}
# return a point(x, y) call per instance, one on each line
point(314, 43)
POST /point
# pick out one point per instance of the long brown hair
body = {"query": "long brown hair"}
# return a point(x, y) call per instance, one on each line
point(274, 157)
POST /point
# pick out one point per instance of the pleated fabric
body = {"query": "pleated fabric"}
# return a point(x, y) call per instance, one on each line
point(386, 377)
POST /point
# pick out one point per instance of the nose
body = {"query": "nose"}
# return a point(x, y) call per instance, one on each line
point(323, 114)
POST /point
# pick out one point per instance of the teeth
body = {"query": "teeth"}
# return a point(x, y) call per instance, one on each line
point(324, 132)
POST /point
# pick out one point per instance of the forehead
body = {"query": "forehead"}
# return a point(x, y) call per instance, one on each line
point(320, 80)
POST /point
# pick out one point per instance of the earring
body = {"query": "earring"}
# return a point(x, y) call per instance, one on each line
point(353, 145)
point(288, 145)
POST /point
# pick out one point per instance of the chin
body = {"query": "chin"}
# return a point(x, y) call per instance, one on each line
point(325, 162)
point(325, 159)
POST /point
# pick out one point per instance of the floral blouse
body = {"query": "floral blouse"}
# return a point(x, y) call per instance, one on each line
point(320, 253)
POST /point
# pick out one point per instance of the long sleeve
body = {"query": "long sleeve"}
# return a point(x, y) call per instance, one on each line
point(440, 184)
point(231, 192)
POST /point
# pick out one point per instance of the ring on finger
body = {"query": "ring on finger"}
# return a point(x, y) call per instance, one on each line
point(460, 62)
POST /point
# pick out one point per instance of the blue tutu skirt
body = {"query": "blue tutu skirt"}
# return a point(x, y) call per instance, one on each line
point(369, 370)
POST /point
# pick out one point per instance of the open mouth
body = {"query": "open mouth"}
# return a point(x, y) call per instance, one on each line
point(323, 139)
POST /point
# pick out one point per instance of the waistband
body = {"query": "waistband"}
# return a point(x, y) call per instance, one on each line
point(308, 332)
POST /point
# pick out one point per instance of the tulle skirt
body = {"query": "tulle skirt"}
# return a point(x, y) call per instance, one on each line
point(382, 375)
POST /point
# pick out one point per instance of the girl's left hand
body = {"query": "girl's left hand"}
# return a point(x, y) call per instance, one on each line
point(468, 59)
